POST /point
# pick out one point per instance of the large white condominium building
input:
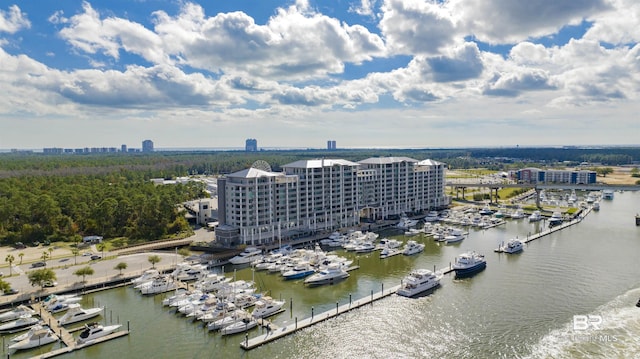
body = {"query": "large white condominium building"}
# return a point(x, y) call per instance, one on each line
point(257, 206)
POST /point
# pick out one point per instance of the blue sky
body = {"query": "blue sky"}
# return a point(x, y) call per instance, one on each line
point(366, 73)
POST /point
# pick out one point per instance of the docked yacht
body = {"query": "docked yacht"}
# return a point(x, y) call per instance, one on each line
point(300, 270)
point(512, 246)
point(159, 285)
point(94, 331)
point(455, 235)
point(517, 214)
point(42, 336)
point(535, 216)
point(77, 314)
point(147, 276)
point(233, 317)
point(365, 247)
point(418, 281)
point(555, 219)
point(16, 313)
point(406, 222)
point(240, 326)
point(247, 256)
point(469, 263)
point(25, 321)
point(412, 247)
point(432, 216)
point(61, 302)
point(333, 273)
point(266, 306)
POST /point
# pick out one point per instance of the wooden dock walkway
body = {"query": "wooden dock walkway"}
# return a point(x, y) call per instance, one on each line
point(279, 332)
point(564, 225)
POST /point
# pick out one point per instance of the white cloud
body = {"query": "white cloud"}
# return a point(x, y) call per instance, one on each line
point(14, 20)
point(621, 25)
point(417, 26)
point(88, 33)
point(511, 21)
point(364, 8)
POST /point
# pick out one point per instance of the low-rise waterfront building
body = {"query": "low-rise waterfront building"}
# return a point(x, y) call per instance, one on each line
point(535, 175)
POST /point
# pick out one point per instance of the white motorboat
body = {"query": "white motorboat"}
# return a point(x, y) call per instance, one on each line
point(555, 219)
point(413, 232)
point(432, 216)
point(42, 336)
point(512, 246)
point(517, 214)
point(25, 321)
point(77, 314)
point(486, 210)
point(221, 310)
point(60, 303)
point(161, 284)
point(412, 247)
point(227, 320)
point(16, 313)
point(535, 216)
point(266, 307)
point(469, 263)
point(27, 334)
point(365, 247)
point(94, 331)
point(406, 222)
point(249, 255)
point(146, 276)
point(300, 270)
point(240, 326)
point(195, 272)
point(455, 235)
point(331, 274)
point(390, 243)
point(418, 281)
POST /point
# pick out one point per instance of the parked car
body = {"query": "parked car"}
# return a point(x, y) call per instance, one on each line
point(19, 245)
point(38, 264)
point(10, 291)
point(87, 254)
point(49, 284)
point(95, 257)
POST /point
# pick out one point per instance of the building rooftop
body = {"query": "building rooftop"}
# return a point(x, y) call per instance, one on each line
point(386, 160)
point(253, 173)
point(319, 163)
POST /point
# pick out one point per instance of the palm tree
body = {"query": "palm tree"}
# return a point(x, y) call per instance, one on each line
point(10, 258)
point(75, 252)
point(44, 256)
point(20, 255)
point(121, 266)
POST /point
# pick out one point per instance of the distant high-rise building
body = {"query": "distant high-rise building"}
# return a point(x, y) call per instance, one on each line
point(123, 148)
point(251, 145)
point(147, 146)
point(331, 144)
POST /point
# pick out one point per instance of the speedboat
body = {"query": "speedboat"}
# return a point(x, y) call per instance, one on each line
point(486, 210)
point(249, 255)
point(517, 214)
point(94, 331)
point(412, 247)
point(266, 306)
point(42, 336)
point(240, 326)
point(23, 322)
point(512, 246)
point(418, 281)
point(77, 314)
point(16, 313)
point(331, 274)
point(469, 263)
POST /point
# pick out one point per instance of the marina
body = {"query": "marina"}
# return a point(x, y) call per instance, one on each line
point(556, 250)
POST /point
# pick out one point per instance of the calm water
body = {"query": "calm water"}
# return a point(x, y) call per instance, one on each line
point(521, 306)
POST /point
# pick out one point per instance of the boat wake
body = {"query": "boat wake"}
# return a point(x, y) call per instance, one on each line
point(612, 330)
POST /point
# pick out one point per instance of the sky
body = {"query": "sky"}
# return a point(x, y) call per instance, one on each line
point(365, 73)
